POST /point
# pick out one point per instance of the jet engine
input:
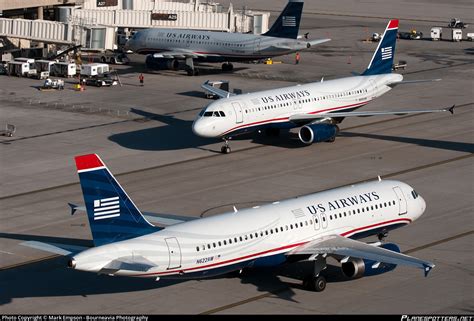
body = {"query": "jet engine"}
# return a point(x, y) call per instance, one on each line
point(316, 133)
point(161, 63)
point(357, 268)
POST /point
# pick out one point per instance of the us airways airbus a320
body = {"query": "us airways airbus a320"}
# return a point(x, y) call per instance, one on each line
point(317, 108)
point(311, 228)
point(166, 47)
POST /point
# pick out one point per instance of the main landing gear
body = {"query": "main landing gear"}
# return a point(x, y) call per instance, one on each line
point(226, 148)
point(190, 67)
point(315, 281)
point(227, 66)
point(382, 235)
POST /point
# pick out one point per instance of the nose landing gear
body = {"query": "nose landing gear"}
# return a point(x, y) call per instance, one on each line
point(226, 148)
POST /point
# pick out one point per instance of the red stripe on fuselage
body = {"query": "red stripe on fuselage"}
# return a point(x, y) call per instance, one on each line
point(269, 251)
point(287, 118)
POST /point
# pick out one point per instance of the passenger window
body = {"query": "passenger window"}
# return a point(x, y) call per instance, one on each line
point(225, 242)
point(235, 239)
point(230, 241)
point(291, 226)
point(197, 248)
point(266, 232)
point(281, 229)
point(241, 239)
point(214, 244)
point(209, 246)
point(220, 244)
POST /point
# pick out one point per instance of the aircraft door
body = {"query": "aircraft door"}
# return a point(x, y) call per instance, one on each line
point(257, 45)
point(174, 253)
point(317, 222)
point(238, 112)
point(401, 200)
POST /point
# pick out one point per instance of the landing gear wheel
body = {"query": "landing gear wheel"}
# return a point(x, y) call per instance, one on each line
point(319, 283)
point(225, 150)
point(196, 72)
point(190, 71)
point(102, 59)
point(227, 66)
point(381, 236)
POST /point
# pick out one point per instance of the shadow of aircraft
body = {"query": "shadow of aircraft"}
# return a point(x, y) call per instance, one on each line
point(52, 278)
point(177, 134)
point(440, 144)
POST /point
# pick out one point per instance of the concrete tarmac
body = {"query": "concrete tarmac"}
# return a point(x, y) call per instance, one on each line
point(144, 136)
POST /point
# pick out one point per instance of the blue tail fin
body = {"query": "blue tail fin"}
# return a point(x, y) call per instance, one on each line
point(288, 23)
point(382, 60)
point(112, 214)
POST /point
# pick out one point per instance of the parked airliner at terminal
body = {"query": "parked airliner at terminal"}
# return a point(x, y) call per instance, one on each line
point(311, 228)
point(316, 108)
point(165, 47)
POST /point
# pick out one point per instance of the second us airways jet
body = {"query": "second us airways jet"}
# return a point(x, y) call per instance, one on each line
point(167, 46)
point(316, 108)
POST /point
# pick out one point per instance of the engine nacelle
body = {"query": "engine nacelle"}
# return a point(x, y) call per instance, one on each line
point(316, 133)
point(357, 268)
point(161, 63)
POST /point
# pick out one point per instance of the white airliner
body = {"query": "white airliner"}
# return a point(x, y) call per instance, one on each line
point(310, 228)
point(316, 107)
point(165, 47)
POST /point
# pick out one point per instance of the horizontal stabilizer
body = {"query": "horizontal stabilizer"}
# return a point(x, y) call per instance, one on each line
point(55, 248)
point(318, 41)
point(406, 82)
point(167, 219)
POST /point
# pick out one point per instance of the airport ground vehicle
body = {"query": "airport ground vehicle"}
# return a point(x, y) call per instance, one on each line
point(63, 69)
point(18, 68)
point(470, 36)
point(221, 84)
point(94, 69)
point(411, 35)
point(104, 80)
point(53, 84)
point(116, 58)
point(399, 65)
point(456, 23)
point(436, 33)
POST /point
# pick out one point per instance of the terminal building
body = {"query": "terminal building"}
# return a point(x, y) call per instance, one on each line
point(107, 24)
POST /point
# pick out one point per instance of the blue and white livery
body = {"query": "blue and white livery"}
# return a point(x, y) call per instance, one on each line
point(316, 108)
point(311, 228)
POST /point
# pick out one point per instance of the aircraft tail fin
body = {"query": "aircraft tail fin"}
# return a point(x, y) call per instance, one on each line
point(288, 23)
point(112, 214)
point(382, 60)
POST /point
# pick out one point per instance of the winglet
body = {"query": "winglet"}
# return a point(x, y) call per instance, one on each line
point(428, 268)
point(451, 109)
point(380, 179)
point(87, 162)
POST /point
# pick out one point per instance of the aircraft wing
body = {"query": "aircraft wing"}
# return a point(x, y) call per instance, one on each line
point(178, 54)
point(311, 117)
point(347, 248)
point(216, 91)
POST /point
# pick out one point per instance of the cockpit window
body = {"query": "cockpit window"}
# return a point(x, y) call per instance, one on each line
point(207, 114)
point(414, 194)
point(222, 114)
point(216, 114)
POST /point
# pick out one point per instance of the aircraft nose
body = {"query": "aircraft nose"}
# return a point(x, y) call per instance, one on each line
point(200, 129)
